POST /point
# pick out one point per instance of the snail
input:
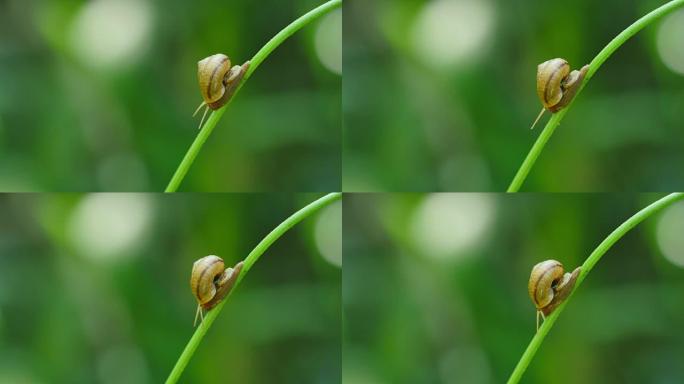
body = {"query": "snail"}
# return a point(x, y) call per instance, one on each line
point(211, 281)
point(549, 286)
point(557, 85)
point(218, 81)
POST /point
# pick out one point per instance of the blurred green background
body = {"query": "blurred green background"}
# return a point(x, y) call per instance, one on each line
point(95, 289)
point(439, 96)
point(435, 289)
point(99, 96)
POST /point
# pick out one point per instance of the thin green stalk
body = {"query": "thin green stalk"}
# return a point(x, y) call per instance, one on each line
point(248, 262)
point(258, 58)
point(593, 67)
point(588, 265)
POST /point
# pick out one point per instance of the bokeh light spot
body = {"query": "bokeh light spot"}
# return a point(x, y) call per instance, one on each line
point(107, 226)
point(328, 42)
point(451, 32)
point(670, 234)
point(328, 233)
point(109, 34)
point(669, 41)
point(446, 224)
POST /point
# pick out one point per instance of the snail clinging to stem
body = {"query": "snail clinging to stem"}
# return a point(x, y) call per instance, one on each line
point(557, 85)
point(218, 81)
point(550, 285)
point(210, 282)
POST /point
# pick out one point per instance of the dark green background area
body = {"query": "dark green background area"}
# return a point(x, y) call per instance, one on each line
point(412, 127)
point(411, 316)
point(65, 126)
point(70, 317)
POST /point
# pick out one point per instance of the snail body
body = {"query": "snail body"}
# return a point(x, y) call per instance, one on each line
point(210, 282)
point(557, 84)
point(550, 285)
point(218, 81)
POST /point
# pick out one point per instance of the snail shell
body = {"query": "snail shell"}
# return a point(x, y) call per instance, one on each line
point(556, 84)
point(550, 285)
point(210, 281)
point(218, 80)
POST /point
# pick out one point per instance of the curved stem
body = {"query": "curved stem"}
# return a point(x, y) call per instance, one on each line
point(587, 266)
point(258, 58)
point(602, 56)
point(248, 263)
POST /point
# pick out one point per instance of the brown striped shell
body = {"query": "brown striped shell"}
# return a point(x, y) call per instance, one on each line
point(218, 80)
point(549, 285)
point(556, 84)
point(210, 281)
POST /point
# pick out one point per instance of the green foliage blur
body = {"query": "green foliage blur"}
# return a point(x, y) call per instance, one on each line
point(439, 96)
point(435, 289)
point(99, 96)
point(95, 289)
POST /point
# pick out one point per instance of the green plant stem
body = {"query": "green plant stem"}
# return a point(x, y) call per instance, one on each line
point(248, 263)
point(602, 56)
point(588, 265)
point(258, 58)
